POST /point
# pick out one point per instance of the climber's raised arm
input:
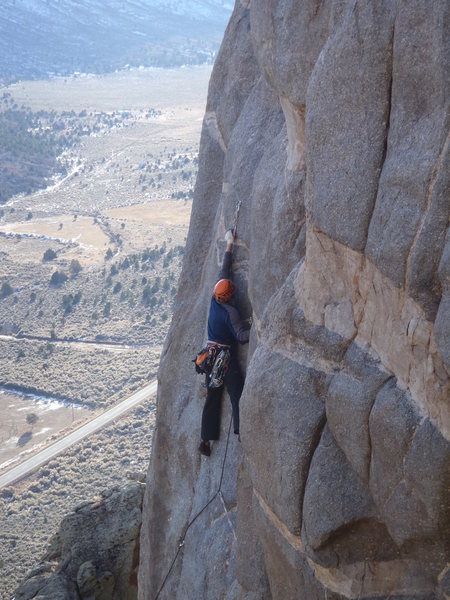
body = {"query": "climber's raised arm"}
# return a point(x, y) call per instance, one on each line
point(226, 271)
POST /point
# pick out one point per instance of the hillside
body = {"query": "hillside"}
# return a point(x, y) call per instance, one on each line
point(39, 38)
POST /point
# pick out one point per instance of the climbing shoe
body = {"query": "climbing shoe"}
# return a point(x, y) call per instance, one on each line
point(204, 448)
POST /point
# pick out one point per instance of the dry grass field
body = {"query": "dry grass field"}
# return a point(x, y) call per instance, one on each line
point(135, 89)
point(16, 432)
point(32, 509)
point(89, 274)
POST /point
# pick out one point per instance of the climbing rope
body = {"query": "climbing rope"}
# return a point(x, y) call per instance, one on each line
point(219, 489)
point(189, 525)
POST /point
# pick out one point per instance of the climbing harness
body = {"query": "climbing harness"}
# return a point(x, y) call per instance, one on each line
point(192, 521)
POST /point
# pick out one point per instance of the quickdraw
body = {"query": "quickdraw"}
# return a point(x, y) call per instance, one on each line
point(220, 368)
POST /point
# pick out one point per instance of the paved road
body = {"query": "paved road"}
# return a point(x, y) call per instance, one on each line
point(42, 457)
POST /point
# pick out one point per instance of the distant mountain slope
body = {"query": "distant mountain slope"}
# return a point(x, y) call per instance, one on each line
point(38, 37)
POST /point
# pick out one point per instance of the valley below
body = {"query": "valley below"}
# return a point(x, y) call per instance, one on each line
point(90, 258)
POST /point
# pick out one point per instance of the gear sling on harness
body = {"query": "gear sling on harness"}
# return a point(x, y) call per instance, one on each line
point(213, 361)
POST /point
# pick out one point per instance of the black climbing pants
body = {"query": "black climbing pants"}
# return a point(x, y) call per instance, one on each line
point(211, 411)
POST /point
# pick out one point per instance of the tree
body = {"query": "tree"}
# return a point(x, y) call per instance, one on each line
point(32, 419)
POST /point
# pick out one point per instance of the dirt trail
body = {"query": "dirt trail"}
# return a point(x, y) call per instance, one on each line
point(107, 345)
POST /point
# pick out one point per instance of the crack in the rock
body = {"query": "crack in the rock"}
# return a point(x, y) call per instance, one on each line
point(387, 118)
point(375, 394)
point(434, 177)
point(315, 441)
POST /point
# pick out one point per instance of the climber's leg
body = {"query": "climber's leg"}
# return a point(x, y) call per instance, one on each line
point(235, 384)
point(211, 415)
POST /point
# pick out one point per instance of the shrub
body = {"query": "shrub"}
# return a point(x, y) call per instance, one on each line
point(67, 303)
point(6, 290)
point(147, 295)
point(58, 278)
point(49, 254)
point(75, 267)
point(32, 419)
point(125, 264)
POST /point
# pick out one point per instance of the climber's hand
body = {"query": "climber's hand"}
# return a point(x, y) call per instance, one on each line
point(248, 323)
point(229, 237)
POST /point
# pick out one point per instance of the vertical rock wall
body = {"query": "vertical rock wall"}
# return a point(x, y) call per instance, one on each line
point(330, 120)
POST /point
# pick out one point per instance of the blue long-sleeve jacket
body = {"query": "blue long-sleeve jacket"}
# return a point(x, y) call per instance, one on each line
point(224, 322)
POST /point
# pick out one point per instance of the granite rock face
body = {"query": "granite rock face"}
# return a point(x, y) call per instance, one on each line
point(330, 121)
point(94, 554)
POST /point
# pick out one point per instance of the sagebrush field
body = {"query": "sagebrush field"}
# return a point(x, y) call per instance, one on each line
point(91, 251)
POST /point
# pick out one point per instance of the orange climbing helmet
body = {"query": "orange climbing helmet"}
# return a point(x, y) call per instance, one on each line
point(224, 290)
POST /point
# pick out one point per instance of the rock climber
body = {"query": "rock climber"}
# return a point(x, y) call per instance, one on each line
point(225, 328)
